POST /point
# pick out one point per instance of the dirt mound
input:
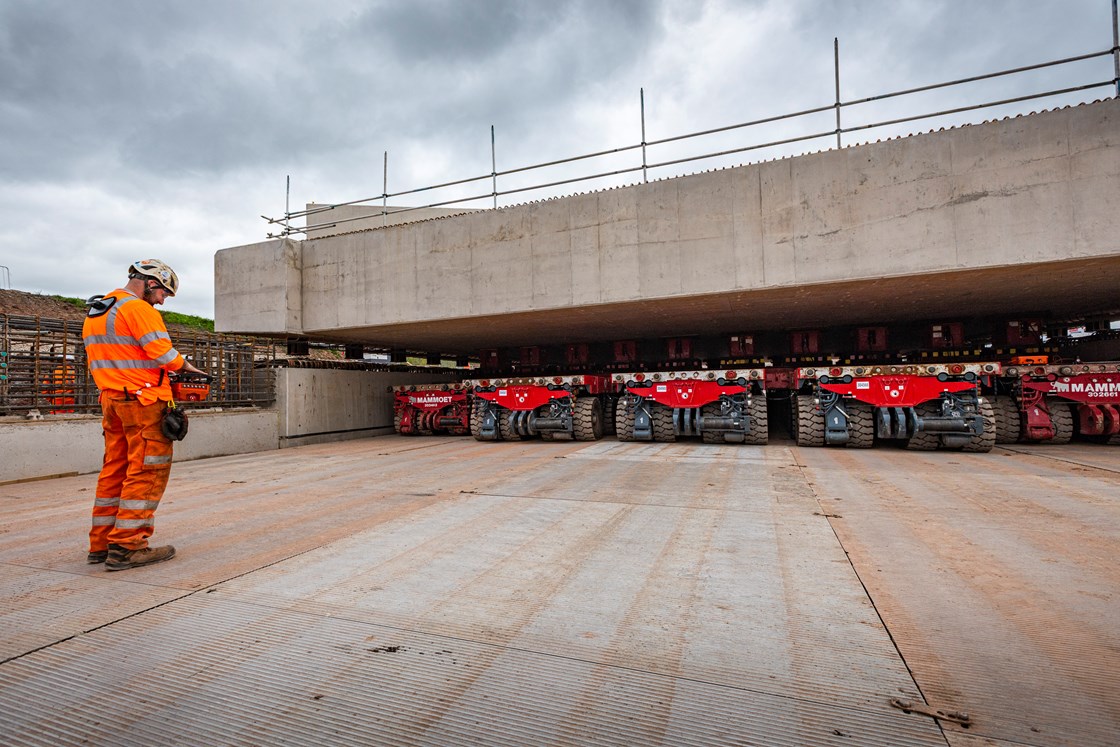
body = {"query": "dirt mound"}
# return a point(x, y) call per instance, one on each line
point(21, 303)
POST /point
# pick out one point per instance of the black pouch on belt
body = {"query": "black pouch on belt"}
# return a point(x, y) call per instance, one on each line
point(174, 423)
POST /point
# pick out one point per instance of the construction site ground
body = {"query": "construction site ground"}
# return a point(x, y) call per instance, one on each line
point(419, 591)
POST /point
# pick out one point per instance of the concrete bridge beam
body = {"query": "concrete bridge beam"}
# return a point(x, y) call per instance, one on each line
point(1004, 217)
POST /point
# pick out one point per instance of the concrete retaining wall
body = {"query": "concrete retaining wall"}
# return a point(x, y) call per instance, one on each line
point(312, 406)
point(316, 405)
point(68, 445)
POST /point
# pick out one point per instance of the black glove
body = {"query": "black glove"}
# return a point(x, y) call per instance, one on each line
point(174, 423)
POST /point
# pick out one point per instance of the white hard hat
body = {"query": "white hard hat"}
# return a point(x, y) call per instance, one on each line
point(156, 270)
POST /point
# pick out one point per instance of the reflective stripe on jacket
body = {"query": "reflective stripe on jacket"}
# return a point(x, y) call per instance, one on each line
point(128, 348)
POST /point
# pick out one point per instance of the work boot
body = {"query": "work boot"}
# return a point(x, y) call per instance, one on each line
point(96, 556)
point(121, 558)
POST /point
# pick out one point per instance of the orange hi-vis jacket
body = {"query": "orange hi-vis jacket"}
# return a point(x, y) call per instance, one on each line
point(128, 348)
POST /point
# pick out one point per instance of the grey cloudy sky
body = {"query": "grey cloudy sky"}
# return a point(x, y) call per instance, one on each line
point(138, 128)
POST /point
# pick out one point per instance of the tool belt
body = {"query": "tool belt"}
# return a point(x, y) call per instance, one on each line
point(174, 423)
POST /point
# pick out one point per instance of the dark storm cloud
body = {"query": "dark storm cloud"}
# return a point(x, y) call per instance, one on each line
point(136, 128)
point(449, 66)
point(900, 44)
point(450, 33)
point(94, 86)
point(179, 89)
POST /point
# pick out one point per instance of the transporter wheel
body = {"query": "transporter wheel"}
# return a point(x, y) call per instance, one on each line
point(984, 443)
point(710, 437)
point(608, 417)
point(1008, 419)
point(810, 421)
point(397, 421)
point(624, 419)
point(791, 418)
point(923, 441)
point(476, 419)
point(505, 427)
point(587, 419)
point(418, 424)
point(758, 433)
point(1062, 417)
point(861, 424)
point(662, 421)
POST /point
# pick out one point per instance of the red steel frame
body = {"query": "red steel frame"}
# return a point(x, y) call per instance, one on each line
point(422, 407)
point(688, 389)
point(1094, 387)
point(523, 394)
point(898, 385)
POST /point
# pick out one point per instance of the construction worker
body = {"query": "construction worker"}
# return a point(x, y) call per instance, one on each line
point(59, 384)
point(130, 356)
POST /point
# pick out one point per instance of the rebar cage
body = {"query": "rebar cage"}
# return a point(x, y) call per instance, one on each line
point(43, 366)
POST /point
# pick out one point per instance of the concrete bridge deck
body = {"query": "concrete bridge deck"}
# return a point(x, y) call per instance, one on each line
point(449, 592)
point(1011, 217)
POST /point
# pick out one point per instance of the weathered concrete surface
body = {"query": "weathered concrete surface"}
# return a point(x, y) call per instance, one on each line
point(361, 217)
point(1000, 589)
point(1007, 217)
point(445, 591)
point(271, 274)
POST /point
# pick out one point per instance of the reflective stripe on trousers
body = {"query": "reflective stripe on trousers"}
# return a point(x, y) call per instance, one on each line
point(133, 476)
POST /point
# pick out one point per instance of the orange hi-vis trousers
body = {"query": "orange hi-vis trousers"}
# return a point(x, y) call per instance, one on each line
point(134, 475)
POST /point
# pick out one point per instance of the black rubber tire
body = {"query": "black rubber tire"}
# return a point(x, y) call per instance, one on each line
point(608, 407)
point(791, 421)
point(924, 441)
point(861, 424)
point(1009, 419)
point(587, 419)
point(986, 441)
point(476, 419)
point(624, 419)
point(397, 421)
point(758, 430)
point(662, 421)
point(711, 437)
point(504, 426)
point(810, 422)
point(1062, 417)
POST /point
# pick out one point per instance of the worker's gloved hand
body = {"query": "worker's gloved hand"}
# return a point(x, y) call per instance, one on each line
point(174, 423)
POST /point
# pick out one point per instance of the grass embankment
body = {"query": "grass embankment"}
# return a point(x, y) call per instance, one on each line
point(169, 317)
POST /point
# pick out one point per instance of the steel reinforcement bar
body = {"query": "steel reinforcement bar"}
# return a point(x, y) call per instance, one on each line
point(43, 366)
